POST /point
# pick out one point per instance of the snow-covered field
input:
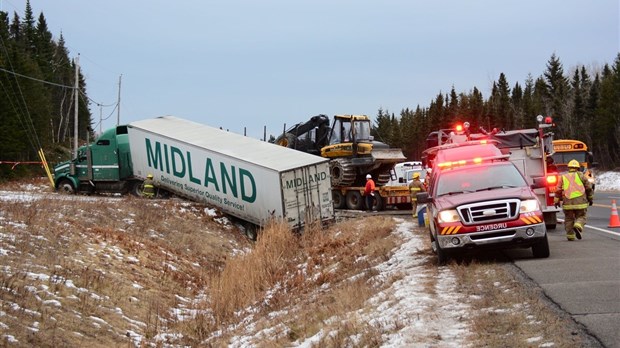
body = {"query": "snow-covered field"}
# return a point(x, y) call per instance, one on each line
point(405, 299)
point(607, 181)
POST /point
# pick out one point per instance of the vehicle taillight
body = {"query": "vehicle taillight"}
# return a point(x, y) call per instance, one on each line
point(552, 180)
point(459, 128)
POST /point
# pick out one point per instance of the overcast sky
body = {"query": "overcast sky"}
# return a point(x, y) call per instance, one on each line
point(236, 64)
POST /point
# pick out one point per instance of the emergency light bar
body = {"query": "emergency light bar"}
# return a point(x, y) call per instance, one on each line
point(476, 160)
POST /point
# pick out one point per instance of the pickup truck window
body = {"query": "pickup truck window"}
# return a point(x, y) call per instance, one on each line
point(473, 179)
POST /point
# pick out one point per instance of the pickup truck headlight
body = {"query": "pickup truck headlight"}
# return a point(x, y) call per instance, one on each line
point(448, 216)
point(529, 206)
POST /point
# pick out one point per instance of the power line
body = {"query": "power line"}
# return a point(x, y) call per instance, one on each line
point(57, 85)
point(35, 79)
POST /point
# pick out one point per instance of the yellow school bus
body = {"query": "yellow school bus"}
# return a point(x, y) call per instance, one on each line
point(566, 150)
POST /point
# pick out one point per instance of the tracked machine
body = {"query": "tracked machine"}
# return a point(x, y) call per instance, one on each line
point(353, 154)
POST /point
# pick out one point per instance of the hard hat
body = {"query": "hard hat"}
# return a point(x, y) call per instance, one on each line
point(416, 175)
point(150, 176)
point(368, 176)
point(573, 164)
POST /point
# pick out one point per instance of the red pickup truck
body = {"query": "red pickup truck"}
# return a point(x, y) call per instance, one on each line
point(478, 200)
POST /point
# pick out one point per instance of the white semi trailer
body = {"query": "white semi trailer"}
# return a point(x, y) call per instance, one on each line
point(242, 176)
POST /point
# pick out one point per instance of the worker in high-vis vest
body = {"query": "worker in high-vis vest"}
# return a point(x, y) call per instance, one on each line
point(575, 193)
point(148, 188)
point(415, 187)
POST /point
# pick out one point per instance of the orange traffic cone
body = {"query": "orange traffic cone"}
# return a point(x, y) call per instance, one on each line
point(614, 221)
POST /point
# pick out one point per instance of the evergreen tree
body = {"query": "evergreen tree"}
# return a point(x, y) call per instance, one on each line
point(540, 99)
point(452, 110)
point(436, 112)
point(33, 108)
point(476, 106)
point(516, 101)
point(607, 121)
point(503, 110)
point(578, 108)
point(382, 130)
point(557, 90)
point(529, 109)
point(396, 137)
point(591, 105)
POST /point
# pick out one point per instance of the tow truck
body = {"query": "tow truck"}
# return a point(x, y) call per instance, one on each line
point(528, 149)
point(478, 199)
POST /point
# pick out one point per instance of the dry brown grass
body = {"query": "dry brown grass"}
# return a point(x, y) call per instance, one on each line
point(510, 313)
point(283, 269)
point(99, 272)
point(80, 272)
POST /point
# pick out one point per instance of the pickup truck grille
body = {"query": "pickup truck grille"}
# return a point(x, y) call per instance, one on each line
point(484, 212)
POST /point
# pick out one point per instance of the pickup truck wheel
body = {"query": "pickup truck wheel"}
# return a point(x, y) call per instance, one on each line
point(338, 199)
point(379, 204)
point(354, 200)
point(65, 186)
point(551, 220)
point(541, 249)
point(442, 256)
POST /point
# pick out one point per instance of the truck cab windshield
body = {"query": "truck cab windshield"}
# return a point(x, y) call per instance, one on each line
point(473, 179)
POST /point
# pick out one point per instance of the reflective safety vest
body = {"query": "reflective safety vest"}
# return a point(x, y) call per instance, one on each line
point(148, 189)
point(572, 186)
point(415, 187)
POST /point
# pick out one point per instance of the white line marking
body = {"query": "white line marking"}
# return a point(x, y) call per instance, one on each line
point(613, 233)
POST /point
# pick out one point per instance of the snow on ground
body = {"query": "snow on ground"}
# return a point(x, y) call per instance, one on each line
point(407, 302)
point(423, 302)
point(607, 181)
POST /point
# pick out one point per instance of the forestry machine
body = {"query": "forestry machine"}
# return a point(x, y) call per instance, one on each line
point(348, 144)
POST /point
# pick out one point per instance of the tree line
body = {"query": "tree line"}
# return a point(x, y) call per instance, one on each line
point(584, 104)
point(37, 80)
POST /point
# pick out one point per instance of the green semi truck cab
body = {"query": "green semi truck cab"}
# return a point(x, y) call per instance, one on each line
point(102, 166)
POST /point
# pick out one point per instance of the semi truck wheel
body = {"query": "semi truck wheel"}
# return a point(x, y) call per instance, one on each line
point(136, 189)
point(338, 199)
point(251, 231)
point(379, 204)
point(65, 186)
point(541, 249)
point(354, 200)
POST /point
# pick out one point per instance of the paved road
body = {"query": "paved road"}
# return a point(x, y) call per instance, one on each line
point(583, 277)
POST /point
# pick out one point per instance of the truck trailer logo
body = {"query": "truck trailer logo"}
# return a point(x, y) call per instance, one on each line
point(227, 180)
point(311, 179)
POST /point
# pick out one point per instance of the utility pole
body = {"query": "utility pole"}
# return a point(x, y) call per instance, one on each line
point(76, 92)
point(100, 118)
point(118, 107)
